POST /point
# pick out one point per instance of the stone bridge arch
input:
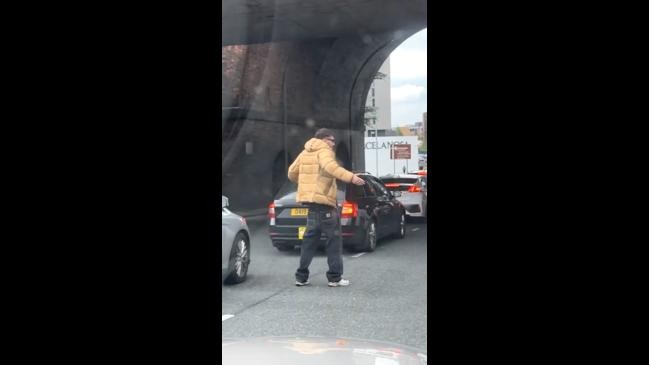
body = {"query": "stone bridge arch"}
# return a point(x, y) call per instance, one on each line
point(277, 90)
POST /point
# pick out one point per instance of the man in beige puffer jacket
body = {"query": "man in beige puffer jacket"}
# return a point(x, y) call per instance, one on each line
point(315, 171)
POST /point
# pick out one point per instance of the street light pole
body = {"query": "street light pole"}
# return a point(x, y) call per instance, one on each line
point(376, 139)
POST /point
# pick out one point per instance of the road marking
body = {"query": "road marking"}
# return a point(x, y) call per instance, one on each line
point(359, 255)
point(415, 229)
point(225, 317)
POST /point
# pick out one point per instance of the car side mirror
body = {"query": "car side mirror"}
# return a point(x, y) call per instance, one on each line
point(396, 194)
point(224, 202)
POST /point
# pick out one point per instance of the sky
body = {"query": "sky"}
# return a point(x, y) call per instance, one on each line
point(409, 86)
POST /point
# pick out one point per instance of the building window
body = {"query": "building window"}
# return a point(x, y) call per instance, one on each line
point(372, 92)
point(373, 104)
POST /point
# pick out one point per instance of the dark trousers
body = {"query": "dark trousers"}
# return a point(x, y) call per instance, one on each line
point(322, 220)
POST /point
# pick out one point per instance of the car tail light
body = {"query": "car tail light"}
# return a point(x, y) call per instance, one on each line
point(271, 213)
point(414, 189)
point(350, 210)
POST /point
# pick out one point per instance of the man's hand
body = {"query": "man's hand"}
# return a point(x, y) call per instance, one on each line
point(357, 180)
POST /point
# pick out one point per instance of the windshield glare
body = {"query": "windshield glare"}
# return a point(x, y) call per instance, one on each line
point(320, 96)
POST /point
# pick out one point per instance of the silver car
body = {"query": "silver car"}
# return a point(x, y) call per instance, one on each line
point(235, 244)
point(414, 192)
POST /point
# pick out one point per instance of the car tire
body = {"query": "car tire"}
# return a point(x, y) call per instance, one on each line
point(370, 238)
point(239, 259)
point(401, 232)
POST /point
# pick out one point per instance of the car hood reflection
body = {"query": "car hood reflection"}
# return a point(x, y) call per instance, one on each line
point(318, 351)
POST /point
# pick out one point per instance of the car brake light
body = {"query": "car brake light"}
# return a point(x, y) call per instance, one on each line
point(350, 210)
point(271, 211)
point(392, 185)
point(414, 189)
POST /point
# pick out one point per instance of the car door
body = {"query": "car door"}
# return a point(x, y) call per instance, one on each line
point(395, 209)
point(385, 209)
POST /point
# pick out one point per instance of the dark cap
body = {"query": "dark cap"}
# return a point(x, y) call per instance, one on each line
point(324, 133)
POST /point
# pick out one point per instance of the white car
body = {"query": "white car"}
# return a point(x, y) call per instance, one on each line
point(414, 193)
point(235, 245)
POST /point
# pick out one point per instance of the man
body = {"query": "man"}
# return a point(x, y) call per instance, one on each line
point(315, 171)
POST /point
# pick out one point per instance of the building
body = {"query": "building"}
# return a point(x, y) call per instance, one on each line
point(377, 105)
point(425, 119)
point(417, 129)
point(405, 131)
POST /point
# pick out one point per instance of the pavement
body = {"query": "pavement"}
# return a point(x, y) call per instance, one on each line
point(386, 300)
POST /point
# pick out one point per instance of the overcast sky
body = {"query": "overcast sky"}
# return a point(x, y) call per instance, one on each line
point(408, 79)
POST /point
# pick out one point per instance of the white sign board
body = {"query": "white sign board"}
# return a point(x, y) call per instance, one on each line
point(377, 155)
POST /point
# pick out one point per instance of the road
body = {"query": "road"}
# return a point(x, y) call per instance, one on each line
point(386, 300)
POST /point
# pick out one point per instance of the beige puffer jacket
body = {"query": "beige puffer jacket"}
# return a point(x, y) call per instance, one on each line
point(315, 171)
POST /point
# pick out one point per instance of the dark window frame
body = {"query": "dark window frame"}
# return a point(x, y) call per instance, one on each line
point(369, 187)
point(353, 194)
point(382, 191)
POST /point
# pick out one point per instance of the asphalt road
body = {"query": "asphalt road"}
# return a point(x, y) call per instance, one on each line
point(386, 300)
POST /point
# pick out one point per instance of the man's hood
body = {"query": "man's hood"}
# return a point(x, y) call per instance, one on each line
point(315, 144)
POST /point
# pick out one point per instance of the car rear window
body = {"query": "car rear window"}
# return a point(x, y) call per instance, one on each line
point(354, 192)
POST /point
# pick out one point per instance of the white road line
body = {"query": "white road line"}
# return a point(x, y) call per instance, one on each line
point(225, 317)
point(415, 229)
point(359, 255)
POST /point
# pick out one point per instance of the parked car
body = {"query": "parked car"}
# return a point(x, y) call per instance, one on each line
point(367, 214)
point(418, 172)
point(235, 245)
point(414, 193)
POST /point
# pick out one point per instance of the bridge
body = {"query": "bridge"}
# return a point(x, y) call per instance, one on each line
point(290, 67)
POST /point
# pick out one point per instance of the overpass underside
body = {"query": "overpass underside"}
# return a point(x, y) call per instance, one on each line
point(281, 82)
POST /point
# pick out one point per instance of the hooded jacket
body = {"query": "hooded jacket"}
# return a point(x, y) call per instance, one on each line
point(315, 171)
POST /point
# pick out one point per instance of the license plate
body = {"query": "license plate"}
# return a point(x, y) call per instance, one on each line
point(299, 211)
point(300, 232)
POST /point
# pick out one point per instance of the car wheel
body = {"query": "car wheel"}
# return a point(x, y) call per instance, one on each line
point(401, 233)
point(239, 259)
point(370, 237)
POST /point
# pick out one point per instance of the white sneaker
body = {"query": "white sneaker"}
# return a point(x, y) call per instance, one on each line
point(299, 283)
point(342, 282)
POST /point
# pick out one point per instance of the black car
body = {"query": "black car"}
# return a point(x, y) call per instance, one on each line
point(367, 213)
